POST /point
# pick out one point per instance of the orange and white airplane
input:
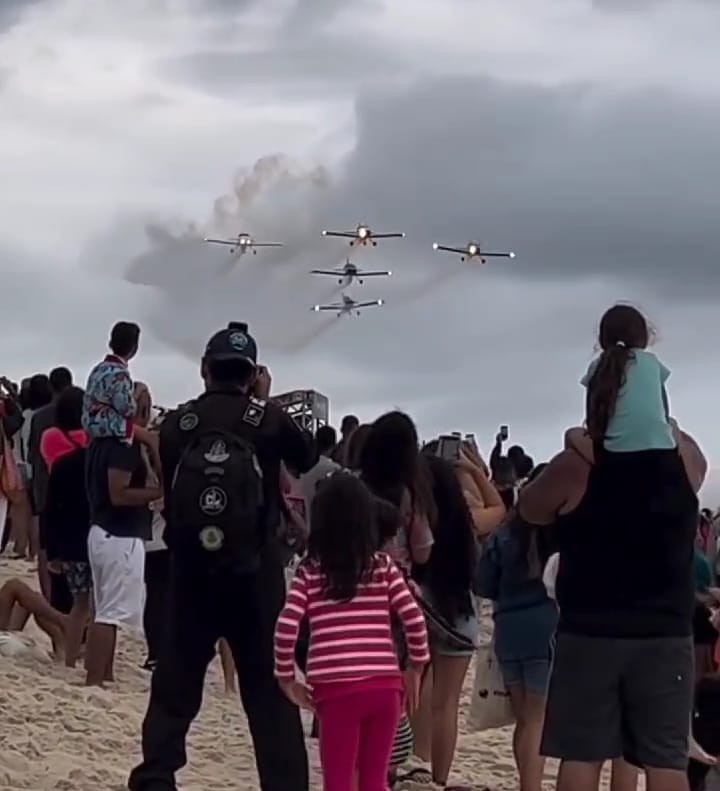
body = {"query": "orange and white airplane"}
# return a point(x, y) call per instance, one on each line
point(363, 236)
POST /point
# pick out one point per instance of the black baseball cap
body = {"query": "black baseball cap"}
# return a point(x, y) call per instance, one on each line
point(232, 343)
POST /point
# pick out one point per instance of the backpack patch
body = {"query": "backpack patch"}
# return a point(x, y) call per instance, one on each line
point(216, 502)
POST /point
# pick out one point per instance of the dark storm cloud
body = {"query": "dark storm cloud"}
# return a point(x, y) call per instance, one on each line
point(11, 11)
point(581, 183)
point(301, 68)
point(307, 14)
point(578, 181)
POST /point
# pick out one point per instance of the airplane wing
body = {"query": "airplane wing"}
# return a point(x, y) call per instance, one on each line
point(388, 235)
point(497, 255)
point(267, 244)
point(346, 234)
point(328, 307)
point(362, 273)
point(229, 242)
point(445, 248)
point(327, 272)
point(372, 304)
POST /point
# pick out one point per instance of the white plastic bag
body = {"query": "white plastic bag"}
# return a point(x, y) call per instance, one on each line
point(490, 705)
point(550, 574)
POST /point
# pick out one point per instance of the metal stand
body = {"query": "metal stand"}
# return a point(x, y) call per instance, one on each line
point(308, 408)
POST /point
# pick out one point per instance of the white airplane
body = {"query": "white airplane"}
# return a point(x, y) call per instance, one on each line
point(347, 306)
point(242, 243)
point(363, 236)
point(472, 250)
point(350, 272)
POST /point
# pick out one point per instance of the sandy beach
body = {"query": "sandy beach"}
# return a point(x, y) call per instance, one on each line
point(60, 736)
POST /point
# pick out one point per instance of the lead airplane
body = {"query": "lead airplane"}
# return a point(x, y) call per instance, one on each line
point(470, 251)
point(242, 243)
point(363, 236)
point(348, 273)
point(347, 306)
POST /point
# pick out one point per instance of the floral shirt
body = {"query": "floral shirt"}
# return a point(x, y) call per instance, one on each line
point(109, 404)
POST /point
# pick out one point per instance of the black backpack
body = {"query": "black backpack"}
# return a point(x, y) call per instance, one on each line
point(216, 502)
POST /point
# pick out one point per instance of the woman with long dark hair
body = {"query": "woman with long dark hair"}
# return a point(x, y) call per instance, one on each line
point(510, 574)
point(446, 583)
point(392, 468)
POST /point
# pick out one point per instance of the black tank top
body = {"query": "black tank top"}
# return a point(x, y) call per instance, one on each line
point(626, 551)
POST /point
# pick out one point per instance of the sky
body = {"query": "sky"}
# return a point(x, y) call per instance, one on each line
point(579, 134)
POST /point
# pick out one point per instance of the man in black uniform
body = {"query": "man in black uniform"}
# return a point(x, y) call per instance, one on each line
point(240, 605)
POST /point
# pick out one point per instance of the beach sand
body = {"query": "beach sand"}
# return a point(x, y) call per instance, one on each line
point(59, 736)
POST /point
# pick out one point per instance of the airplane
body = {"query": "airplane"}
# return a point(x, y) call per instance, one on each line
point(242, 243)
point(350, 272)
point(363, 236)
point(472, 250)
point(347, 306)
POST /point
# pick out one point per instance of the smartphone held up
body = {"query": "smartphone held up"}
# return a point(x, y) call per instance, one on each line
point(449, 446)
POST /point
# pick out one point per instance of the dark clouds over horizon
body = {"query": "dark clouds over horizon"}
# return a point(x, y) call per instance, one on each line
point(606, 188)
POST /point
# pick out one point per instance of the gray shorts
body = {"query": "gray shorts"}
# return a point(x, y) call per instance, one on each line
point(611, 698)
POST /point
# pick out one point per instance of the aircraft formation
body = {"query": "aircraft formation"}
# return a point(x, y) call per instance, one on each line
point(361, 236)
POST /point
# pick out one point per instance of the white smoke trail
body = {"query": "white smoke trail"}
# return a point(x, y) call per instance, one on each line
point(201, 286)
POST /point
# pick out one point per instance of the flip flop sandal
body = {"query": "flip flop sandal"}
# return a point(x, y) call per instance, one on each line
point(467, 788)
point(417, 775)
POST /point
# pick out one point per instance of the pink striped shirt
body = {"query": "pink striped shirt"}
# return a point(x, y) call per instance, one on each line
point(352, 640)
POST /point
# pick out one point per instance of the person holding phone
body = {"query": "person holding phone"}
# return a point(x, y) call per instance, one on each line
point(485, 502)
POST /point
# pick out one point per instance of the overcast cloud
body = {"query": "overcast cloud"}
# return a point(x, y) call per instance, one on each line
point(578, 134)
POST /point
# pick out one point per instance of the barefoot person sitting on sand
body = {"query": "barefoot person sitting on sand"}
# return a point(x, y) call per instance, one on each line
point(622, 679)
point(19, 602)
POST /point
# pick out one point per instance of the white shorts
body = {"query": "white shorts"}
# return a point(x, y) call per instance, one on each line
point(118, 572)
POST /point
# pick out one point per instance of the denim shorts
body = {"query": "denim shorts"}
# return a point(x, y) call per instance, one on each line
point(467, 626)
point(532, 674)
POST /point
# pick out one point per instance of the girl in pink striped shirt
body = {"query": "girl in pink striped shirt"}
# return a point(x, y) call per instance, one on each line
point(348, 592)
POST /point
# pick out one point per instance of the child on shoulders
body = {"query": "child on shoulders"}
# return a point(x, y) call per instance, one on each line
point(627, 406)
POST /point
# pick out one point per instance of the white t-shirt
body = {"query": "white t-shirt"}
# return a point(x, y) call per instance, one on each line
point(310, 480)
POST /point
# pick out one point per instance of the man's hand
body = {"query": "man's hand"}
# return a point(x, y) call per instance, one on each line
point(263, 382)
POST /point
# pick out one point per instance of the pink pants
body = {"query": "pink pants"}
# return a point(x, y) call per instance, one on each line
point(357, 731)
